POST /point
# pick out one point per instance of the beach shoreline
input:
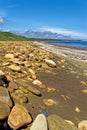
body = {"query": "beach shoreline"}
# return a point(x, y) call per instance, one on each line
point(72, 52)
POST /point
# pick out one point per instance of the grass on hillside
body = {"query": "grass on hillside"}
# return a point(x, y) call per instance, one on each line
point(7, 36)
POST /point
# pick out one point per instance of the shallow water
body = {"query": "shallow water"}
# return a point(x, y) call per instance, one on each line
point(82, 44)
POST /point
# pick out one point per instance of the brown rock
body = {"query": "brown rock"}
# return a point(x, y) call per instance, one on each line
point(32, 73)
point(15, 68)
point(4, 110)
point(9, 56)
point(12, 86)
point(19, 117)
point(1, 74)
point(5, 97)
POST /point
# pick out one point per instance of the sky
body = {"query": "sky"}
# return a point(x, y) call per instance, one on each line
point(61, 16)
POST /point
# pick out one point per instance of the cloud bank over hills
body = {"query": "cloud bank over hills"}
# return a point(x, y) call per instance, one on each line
point(53, 33)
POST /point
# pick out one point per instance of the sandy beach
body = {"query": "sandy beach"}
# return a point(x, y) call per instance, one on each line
point(58, 87)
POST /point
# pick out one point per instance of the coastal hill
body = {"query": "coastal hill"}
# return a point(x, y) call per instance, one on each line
point(7, 36)
point(10, 36)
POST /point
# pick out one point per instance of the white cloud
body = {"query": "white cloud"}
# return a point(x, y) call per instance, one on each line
point(65, 32)
point(2, 20)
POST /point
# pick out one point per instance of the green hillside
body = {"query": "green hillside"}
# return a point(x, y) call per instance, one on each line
point(7, 36)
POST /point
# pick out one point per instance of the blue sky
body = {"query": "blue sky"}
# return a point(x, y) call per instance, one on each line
point(63, 16)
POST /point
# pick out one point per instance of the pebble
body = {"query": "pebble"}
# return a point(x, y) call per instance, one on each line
point(15, 68)
point(50, 63)
point(45, 112)
point(32, 73)
point(9, 56)
point(37, 82)
point(49, 102)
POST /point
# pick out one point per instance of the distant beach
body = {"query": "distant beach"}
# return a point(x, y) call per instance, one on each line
point(73, 52)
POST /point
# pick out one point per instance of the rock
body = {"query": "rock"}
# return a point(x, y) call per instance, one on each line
point(49, 102)
point(32, 73)
point(2, 74)
point(82, 125)
point(69, 122)
point(49, 89)
point(77, 109)
point(83, 83)
point(9, 56)
point(39, 83)
point(12, 86)
point(50, 63)
point(4, 110)
point(15, 68)
point(3, 81)
point(19, 117)
point(45, 112)
point(19, 97)
point(24, 90)
point(84, 90)
point(30, 88)
point(40, 123)
point(5, 97)
point(57, 123)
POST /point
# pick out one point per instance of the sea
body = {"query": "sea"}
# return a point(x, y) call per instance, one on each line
point(79, 44)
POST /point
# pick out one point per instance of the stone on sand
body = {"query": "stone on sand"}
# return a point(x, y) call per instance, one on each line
point(40, 123)
point(15, 68)
point(57, 123)
point(50, 63)
point(9, 56)
point(19, 117)
point(82, 125)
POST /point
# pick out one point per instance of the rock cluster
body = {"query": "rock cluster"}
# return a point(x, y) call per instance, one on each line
point(20, 63)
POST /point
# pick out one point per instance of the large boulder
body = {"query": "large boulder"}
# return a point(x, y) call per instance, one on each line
point(19, 117)
point(57, 123)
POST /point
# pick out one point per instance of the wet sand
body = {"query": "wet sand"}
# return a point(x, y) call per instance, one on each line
point(69, 79)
